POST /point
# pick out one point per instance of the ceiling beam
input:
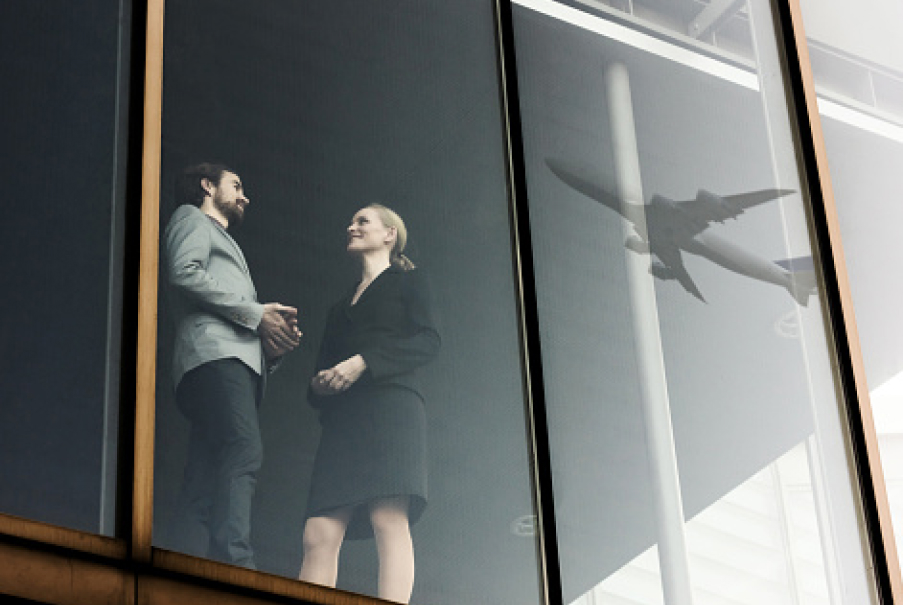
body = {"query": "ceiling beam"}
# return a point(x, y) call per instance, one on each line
point(713, 16)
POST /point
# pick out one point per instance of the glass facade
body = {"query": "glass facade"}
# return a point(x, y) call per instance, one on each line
point(679, 320)
point(64, 111)
point(615, 371)
point(317, 129)
point(858, 75)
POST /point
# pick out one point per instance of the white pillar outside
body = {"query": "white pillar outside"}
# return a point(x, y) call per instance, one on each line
point(672, 548)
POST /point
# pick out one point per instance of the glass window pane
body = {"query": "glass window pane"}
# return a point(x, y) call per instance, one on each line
point(321, 109)
point(697, 449)
point(858, 73)
point(64, 74)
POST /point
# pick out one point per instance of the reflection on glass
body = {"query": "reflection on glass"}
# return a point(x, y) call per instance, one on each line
point(683, 351)
point(65, 85)
point(760, 542)
point(857, 64)
point(667, 229)
point(322, 109)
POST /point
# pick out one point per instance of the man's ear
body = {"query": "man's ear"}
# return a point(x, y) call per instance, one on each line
point(208, 186)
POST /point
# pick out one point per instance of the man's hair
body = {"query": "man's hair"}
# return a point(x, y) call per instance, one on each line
point(188, 185)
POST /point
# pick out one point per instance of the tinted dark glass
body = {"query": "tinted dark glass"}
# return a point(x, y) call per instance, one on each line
point(322, 108)
point(64, 73)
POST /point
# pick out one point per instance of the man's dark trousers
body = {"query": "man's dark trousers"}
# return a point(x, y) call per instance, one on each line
point(220, 398)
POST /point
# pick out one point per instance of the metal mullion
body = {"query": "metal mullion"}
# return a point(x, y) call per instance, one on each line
point(528, 321)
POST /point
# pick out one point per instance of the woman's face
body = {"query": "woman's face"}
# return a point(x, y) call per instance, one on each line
point(367, 233)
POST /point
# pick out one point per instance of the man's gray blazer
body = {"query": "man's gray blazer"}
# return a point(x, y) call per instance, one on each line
point(213, 298)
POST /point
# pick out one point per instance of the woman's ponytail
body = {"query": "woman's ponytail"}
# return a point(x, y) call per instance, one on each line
point(390, 218)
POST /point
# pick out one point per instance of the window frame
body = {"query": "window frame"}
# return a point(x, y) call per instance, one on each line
point(142, 549)
point(59, 565)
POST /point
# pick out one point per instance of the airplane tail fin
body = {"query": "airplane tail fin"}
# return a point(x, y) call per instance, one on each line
point(801, 283)
point(801, 287)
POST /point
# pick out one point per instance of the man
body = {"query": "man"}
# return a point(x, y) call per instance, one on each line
point(225, 344)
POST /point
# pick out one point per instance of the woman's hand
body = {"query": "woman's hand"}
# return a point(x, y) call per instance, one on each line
point(339, 377)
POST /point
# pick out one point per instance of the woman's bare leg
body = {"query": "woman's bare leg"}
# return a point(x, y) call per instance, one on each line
point(322, 542)
point(389, 517)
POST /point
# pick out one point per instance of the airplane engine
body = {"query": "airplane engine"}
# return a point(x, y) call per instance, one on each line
point(660, 271)
point(637, 244)
point(716, 207)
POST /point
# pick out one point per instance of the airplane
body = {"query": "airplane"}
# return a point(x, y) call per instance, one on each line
point(673, 227)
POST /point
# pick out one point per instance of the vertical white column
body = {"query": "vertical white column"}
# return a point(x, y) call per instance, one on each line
point(672, 548)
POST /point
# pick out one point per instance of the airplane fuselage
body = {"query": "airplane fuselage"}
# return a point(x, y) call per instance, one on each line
point(736, 259)
point(666, 228)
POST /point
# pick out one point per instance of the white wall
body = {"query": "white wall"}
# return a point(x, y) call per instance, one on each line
point(864, 28)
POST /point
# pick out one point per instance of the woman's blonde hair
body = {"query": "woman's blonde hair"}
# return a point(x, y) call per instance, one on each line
point(390, 218)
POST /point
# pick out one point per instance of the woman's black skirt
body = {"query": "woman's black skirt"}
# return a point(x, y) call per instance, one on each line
point(373, 445)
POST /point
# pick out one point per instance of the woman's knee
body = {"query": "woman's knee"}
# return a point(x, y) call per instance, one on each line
point(324, 534)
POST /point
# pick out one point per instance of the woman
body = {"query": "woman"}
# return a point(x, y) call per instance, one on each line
point(370, 471)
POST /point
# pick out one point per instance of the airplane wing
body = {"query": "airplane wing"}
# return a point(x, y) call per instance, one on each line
point(582, 183)
point(709, 207)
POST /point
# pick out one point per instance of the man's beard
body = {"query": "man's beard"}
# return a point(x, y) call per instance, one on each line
point(231, 210)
